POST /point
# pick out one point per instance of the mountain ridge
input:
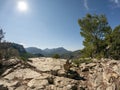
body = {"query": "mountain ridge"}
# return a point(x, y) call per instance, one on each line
point(47, 51)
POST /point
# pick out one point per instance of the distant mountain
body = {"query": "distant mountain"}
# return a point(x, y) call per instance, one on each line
point(59, 51)
point(50, 52)
point(47, 52)
point(34, 50)
point(72, 55)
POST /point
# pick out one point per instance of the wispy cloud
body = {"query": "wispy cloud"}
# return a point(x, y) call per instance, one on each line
point(86, 4)
point(25, 45)
point(116, 3)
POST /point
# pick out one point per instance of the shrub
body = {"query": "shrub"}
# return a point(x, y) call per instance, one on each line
point(81, 60)
point(56, 56)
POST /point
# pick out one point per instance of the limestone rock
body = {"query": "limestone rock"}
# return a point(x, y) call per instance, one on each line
point(22, 73)
point(49, 74)
point(38, 83)
point(23, 87)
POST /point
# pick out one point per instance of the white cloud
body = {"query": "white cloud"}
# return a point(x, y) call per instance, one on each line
point(23, 44)
point(116, 3)
point(86, 4)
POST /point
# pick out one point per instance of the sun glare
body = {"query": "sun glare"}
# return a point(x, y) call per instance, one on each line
point(22, 6)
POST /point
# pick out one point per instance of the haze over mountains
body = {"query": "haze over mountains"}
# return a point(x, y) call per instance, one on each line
point(47, 52)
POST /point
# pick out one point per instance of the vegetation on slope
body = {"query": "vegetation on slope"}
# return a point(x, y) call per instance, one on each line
point(100, 40)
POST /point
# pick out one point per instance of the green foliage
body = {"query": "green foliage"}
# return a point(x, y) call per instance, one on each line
point(11, 52)
point(100, 55)
point(1, 35)
point(56, 56)
point(37, 55)
point(100, 41)
point(81, 60)
point(71, 55)
point(93, 29)
point(24, 56)
point(114, 43)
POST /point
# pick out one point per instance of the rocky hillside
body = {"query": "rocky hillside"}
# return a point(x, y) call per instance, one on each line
point(8, 50)
point(7, 45)
point(49, 74)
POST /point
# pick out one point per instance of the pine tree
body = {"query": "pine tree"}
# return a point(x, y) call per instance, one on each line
point(94, 29)
point(1, 35)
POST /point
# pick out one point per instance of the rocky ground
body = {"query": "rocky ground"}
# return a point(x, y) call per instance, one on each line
point(49, 74)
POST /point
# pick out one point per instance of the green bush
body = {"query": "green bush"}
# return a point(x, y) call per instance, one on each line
point(24, 56)
point(56, 56)
point(81, 60)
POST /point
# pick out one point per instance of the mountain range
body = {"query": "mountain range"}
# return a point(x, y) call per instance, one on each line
point(64, 53)
point(47, 52)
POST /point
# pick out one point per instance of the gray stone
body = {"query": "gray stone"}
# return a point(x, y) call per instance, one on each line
point(23, 87)
point(22, 73)
point(50, 75)
point(38, 83)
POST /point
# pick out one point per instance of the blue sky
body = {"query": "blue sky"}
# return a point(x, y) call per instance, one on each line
point(52, 23)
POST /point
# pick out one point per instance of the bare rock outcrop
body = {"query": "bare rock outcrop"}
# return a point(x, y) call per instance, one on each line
point(49, 74)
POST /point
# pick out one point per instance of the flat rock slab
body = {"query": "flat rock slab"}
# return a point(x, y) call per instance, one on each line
point(47, 64)
point(22, 73)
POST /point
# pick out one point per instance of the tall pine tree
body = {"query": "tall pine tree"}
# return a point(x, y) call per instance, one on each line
point(94, 29)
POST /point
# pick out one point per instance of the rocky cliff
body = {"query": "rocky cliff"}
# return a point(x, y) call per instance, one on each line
point(8, 50)
point(49, 74)
point(7, 45)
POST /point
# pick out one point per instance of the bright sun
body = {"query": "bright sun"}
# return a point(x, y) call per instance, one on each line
point(22, 6)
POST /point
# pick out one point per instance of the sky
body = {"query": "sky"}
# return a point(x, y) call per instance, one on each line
point(52, 23)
